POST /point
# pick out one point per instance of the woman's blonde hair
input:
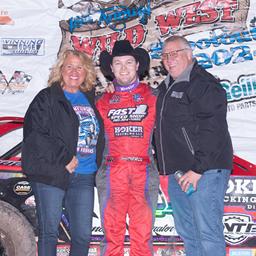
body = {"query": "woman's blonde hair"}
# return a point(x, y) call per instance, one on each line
point(56, 71)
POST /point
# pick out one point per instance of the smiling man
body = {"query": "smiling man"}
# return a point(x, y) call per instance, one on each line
point(128, 180)
point(192, 136)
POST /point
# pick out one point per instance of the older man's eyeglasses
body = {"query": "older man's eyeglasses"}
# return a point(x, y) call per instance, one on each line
point(172, 54)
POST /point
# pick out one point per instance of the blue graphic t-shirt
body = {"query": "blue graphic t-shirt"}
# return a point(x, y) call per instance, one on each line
point(88, 132)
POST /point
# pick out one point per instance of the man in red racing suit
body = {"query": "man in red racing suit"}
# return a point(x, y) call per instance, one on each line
point(128, 180)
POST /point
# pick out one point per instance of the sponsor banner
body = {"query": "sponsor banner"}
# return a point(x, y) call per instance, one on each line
point(22, 46)
point(97, 26)
point(241, 94)
point(242, 192)
point(5, 18)
point(240, 213)
point(163, 231)
point(241, 252)
point(238, 228)
point(222, 35)
point(160, 250)
point(22, 188)
point(16, 84)
point(239, 220)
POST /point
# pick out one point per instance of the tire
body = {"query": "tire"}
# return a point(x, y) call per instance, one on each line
point(17, 237)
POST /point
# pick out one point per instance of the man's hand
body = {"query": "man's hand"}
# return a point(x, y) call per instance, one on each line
point(71, 166)
point(188, 178)
point(110, 88)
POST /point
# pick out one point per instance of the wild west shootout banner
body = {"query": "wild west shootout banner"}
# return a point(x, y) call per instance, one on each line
point(222, 34)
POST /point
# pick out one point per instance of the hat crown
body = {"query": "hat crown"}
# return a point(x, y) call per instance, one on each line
point(122, 47)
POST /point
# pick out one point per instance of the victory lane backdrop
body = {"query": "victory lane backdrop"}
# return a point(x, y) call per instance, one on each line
point(222, 34)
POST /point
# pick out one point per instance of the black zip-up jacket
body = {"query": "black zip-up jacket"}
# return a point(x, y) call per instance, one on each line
point(191, 128)
point(50, 136)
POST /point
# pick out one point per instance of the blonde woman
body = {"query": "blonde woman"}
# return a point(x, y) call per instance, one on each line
point(57, 156)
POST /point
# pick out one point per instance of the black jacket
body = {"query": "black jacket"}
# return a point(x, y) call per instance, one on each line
point(191, 128)
point(50, 136)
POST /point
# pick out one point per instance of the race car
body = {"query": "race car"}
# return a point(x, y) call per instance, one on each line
point(18, 222)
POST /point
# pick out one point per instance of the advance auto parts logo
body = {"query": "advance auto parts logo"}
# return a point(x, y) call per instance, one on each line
point(238, 228)
point(17, 83)
point(22, 188)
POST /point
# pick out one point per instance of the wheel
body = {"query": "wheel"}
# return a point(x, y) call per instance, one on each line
point(17, 237)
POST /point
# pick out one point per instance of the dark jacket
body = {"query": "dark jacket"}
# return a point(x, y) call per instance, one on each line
point(50, 136)
point(191, 128)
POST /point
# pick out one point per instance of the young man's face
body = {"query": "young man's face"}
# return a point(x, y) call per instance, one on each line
point(125, 69)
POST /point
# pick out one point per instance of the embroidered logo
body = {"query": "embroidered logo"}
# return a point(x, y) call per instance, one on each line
point(177, 95)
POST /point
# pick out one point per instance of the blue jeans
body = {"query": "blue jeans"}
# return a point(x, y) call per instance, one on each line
point(79, 202)
point(198, 217)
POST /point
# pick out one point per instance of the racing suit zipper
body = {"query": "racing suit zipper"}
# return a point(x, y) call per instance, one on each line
point(190, 146)
point(161, 117)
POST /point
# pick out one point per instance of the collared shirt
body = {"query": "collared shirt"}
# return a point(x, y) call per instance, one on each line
point(183, 77)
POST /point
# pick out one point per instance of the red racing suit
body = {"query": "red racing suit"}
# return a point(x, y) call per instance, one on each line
point(128, 180)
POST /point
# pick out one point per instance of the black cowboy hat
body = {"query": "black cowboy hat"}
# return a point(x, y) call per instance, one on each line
point(123, 48)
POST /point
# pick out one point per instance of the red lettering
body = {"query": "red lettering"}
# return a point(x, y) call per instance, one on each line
point(201, 12)
point(94, 45)
point(136, 34)
point(90, 45)
point(105, 42)
point(171, 21)
point(229, 6)
point(82, 44)
point(208, 10)
point(192, 16)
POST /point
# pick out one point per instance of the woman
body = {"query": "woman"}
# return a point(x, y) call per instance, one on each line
point(58, 158)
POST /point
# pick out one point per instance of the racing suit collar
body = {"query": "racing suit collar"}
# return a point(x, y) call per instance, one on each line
point(125, 88)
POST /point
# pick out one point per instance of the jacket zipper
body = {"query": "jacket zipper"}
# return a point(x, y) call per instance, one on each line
point(161, 117)
point(190, 146)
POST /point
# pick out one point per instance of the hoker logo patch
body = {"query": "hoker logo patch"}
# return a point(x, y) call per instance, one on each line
point(133, 114)
point(133, 131)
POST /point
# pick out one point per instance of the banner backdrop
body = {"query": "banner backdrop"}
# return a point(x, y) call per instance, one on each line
point(222, 34)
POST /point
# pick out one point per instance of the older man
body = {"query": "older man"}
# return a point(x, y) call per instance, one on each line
point(192, 136)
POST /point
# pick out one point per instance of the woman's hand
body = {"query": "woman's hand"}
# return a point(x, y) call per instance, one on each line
point(71, 166)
